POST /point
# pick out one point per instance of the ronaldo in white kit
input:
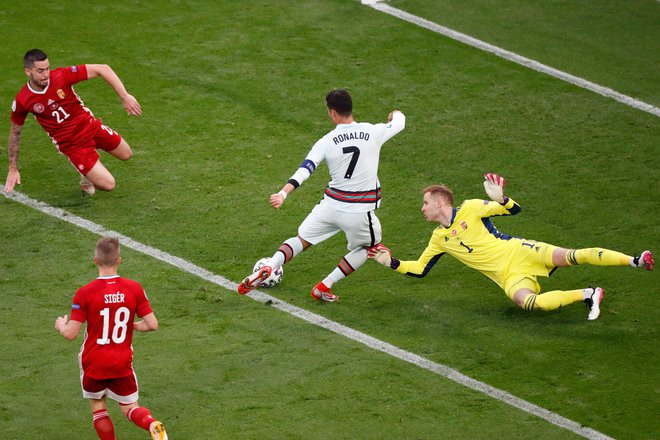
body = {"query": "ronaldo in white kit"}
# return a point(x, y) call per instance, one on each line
point(352, 152)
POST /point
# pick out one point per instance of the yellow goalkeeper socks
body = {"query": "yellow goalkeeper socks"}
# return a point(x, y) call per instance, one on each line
point(597, 257)
point(552, 300)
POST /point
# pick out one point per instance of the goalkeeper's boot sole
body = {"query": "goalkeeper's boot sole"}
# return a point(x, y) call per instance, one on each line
point(322, 293)
point(252, 282)
point(645, 260)
point(593, 303)
point(157, 431)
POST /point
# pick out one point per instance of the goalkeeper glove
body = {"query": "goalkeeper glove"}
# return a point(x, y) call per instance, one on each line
point(383, 255)
point(494, 186)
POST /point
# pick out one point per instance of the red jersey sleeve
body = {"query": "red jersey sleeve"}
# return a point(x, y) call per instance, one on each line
point(18, 112)
point(75, 74)
point(79, 307)
point(143, 306)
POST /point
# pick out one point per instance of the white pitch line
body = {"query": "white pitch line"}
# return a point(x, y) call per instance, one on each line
point(315, 319)
point(510, 56)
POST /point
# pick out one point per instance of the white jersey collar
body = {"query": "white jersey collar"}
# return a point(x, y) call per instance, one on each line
point(38, 92)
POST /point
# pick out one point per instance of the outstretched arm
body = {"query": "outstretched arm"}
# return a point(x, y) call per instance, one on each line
point(494, 186)
point(13, 176)
point(417, 269)
point(315, 156)
point(131, 104)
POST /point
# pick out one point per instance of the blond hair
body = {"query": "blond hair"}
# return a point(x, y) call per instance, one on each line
point(107, 251)
point(440, 191)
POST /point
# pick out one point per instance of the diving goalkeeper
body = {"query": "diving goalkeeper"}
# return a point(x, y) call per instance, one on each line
point(514, 263)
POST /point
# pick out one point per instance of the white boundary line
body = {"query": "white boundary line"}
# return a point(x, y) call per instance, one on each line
point(315, 319)
point(510, 56)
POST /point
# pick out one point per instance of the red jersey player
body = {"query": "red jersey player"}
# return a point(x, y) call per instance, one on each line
point(72, 127)
point(108, 306)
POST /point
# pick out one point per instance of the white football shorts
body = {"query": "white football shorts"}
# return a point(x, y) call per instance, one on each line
point(362, 229)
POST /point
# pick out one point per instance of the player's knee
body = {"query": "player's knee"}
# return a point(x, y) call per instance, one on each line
point(106, 185)
point(126, 409)
point(520, 302)
point(123, 151)
point(126, 153)
point(305, 244)
point(521, 297)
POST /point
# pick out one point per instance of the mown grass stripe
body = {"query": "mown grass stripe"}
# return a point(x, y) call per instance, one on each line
point(511, 56)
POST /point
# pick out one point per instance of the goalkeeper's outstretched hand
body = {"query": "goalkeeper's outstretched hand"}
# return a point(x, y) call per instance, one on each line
point(381, 254)
point(494, 186)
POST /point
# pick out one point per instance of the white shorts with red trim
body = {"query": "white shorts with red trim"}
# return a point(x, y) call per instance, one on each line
point(362, 229)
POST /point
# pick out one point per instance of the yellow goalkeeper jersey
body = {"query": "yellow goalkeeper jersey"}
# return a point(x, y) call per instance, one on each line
point(473, 240)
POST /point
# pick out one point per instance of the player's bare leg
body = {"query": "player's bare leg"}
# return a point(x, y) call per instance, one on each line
point(100, 177)
point(123, 151)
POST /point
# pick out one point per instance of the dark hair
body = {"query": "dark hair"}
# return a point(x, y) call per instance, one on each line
point(441, 191)
point(33, 55)
point(340, 101)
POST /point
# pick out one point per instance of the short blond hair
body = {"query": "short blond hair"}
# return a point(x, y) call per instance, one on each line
point(107, 251)
point(442, 191)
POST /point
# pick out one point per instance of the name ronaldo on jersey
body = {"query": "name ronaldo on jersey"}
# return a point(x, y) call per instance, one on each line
point(350, 136)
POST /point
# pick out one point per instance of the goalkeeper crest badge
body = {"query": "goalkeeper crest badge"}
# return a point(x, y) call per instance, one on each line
point(464, 225)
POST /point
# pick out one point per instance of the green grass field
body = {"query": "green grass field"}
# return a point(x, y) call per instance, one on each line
point(233, 98)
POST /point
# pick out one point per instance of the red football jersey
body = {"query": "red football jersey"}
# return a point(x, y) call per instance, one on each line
point(57, 108)
point(109, 305)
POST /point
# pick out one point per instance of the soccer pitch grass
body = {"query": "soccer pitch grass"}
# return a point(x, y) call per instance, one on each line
point(232, 94)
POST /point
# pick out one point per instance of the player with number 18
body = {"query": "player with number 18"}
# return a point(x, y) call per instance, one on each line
point(108, 305)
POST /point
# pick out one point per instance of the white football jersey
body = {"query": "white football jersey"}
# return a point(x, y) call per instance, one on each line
point(352, 153)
